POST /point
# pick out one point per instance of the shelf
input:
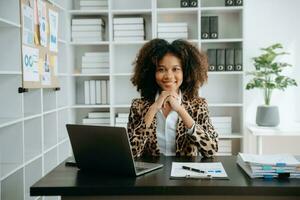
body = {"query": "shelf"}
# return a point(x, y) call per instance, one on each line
point(222, 40)
point(10, 73)
point(122, 74)
point(225, 104)
point(9, 121)
point(131, 11)
point(176, 10)
point(231, 136)
point(7, 23)
point(225, 72)
point(90, 106)
point(88, 12)
point(80, 75)
point(222, 9)
point(90, 43)
point(129, 42)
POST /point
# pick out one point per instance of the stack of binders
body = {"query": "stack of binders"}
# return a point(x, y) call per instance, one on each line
point(95, 62)
point(93, 4)
point(222, 125)
point(122, 119)
point(87, 30)
point(129, 29)
point(97, 118)
point(172, 31)
point(229, 59)
point(209, 27)
point(96, 92)
point(269, 166)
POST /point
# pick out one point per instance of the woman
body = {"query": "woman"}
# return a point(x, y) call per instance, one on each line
point(170, 118)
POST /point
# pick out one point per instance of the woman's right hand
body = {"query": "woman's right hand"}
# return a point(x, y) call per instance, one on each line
point(161, 100)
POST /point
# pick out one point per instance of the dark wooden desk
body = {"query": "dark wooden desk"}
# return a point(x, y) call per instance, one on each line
point(71, 183)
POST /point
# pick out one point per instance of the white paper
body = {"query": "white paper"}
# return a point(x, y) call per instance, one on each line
point(214, 169)
point(42, 16)
point(46, 75)
point(30, 64)
point(53, 26)
point(28, 25)
point(273, 159)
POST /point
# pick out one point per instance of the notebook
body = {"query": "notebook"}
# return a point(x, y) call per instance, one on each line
point(106, 150)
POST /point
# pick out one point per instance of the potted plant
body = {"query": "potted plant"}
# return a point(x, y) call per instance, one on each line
point(267, 76)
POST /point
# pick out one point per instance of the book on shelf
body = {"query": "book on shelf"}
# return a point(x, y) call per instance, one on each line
point(238, 59)
point(229, 59)
point(132, 38)
point(128, 20)
point(98, 115)
point(212, 59)
point(96, 59)
point(121, 27)
point(213, 27)
point(88, 28)
point(93, 92)
point(97, 54)
point(88, 21)
point(123, 115)
point(87, 39)
point(103, 92)
point(221, 119)
point(222, 125)
point(220, 59)
point(86, 34)
point(108, 92)
point(95, 65)
point(86, 92)
point(94, 70)
point(128, 33)
point(238, 2)
point(121, 120)
point(93, 7)
point(172, 29)
point(205, 27)
point(183, 35)
point(229, 2)
point(172, 24)
point(98, 92)
point(96, 121)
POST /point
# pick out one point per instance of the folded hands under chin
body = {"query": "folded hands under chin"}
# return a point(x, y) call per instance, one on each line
point(169, 98)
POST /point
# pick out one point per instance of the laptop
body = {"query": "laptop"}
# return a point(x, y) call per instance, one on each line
point(105, 149)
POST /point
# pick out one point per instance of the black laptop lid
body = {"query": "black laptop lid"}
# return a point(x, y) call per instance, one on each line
point(101, 148)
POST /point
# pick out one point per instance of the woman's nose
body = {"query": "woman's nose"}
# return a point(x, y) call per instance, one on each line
point(168, 74)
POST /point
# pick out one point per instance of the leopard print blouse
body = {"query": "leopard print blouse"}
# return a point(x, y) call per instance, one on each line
point(143, 140)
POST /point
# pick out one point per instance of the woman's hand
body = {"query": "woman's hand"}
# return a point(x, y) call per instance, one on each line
point(174, 102)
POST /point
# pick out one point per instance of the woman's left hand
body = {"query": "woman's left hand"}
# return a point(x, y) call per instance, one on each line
point(174, 102)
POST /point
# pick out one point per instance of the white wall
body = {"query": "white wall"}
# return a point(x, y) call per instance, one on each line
point(267, 22)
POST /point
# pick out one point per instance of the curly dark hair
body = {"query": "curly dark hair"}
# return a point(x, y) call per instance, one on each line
point(194, 66)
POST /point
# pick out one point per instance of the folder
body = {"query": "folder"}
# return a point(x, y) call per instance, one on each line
point(184, 3)
point(193, 3)
point(238, 2)
point(212, 59)
point(220, 59)
point(204, 27)
point(213, 27)
point(229, 59)
point(238, 59)
point(230, 2)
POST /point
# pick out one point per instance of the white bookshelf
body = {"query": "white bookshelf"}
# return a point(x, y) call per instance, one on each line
point(33, 138)
point(224, 90)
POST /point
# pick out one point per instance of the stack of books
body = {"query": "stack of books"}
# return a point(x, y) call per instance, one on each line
point(93, 4)
point(222, 124)
point(95, 62)
point(96, 92)
point(269, 166)
point(87, 30)
point(225, 147)
point(172, 31)
point(122, 119)
point(97, 118)
point(129, 29)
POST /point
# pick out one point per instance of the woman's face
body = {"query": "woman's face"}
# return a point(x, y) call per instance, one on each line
point(169, 73)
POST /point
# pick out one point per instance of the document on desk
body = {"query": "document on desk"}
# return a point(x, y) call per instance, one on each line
point(211, 170)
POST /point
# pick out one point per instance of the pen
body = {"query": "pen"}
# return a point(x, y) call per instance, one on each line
point(192, 169)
